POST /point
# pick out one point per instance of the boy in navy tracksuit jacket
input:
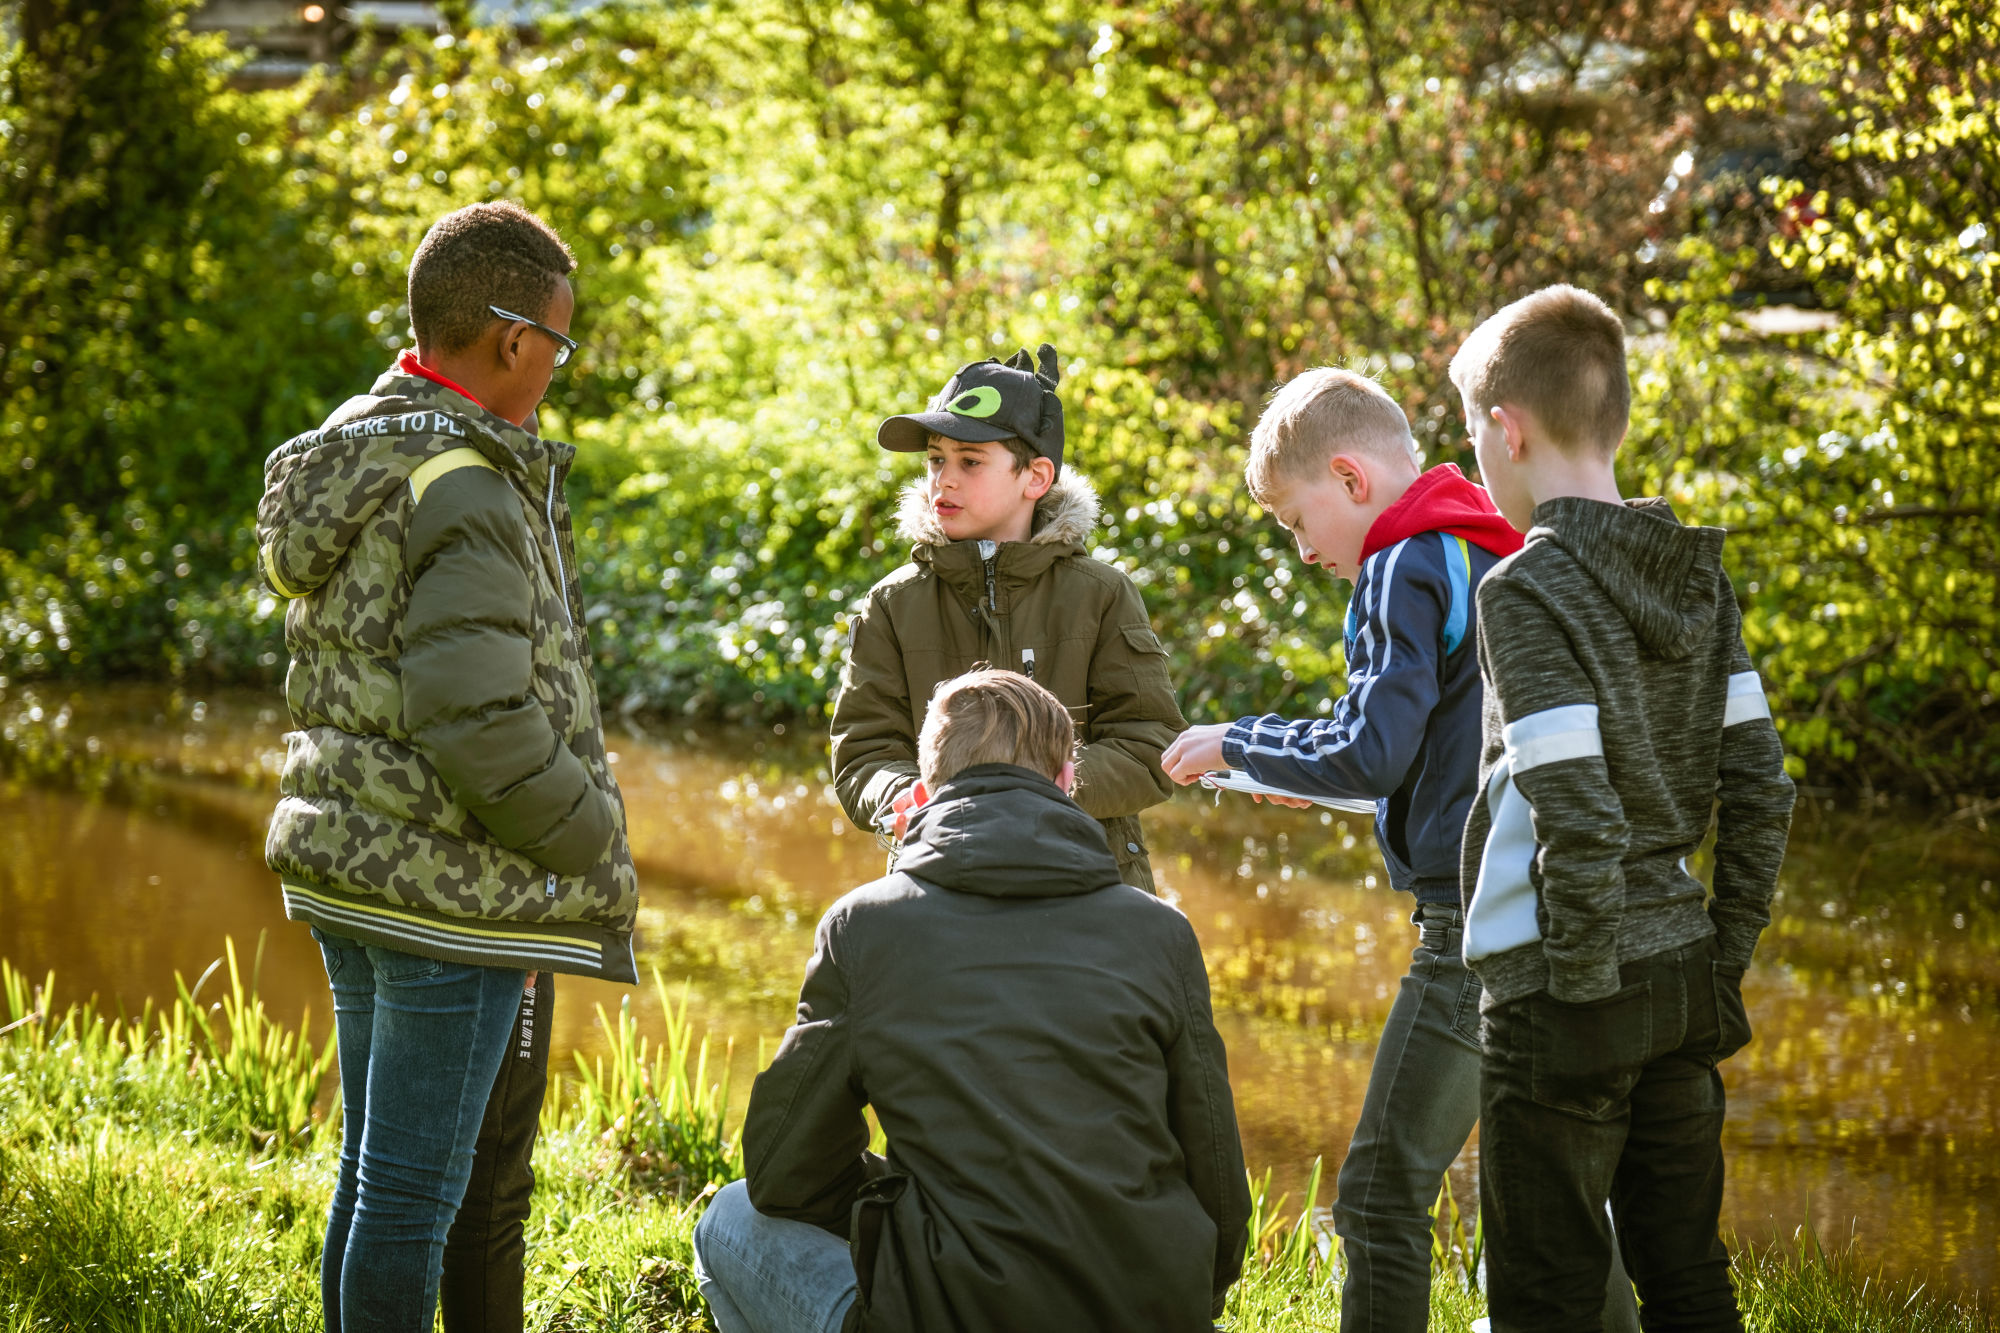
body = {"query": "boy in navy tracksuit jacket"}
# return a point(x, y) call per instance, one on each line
point(1333, 460)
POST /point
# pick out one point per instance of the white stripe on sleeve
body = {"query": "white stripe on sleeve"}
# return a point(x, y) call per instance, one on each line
point(1552, 735)
point(1746, 700)
point(1271, 743)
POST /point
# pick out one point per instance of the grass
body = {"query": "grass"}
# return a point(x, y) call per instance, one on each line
point(170, 1172)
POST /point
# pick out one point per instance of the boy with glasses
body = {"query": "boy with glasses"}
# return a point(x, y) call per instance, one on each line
point(448, 823)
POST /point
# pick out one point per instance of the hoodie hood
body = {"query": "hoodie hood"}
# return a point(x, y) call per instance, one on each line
point(1066, 516)
point(1006, 832)
point(1662, 575)
point(322, 488)
point(1443, 500)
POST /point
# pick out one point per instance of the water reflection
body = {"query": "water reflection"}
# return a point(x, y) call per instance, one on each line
point(1869, 1106)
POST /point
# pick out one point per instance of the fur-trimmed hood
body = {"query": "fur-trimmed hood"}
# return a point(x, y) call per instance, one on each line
point(1067, 515)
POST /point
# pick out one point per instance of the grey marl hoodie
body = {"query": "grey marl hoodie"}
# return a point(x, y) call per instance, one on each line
point(1621, 712)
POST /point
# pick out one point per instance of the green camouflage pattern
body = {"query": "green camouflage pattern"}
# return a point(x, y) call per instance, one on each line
point(361, 809)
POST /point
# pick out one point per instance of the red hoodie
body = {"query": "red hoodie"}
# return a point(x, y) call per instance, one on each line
point(1442, 500)
point(409, 365)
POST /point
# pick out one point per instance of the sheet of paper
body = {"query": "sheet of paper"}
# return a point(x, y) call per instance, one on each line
point(1231, 780)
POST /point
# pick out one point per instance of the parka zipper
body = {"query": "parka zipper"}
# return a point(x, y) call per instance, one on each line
point(988, 551)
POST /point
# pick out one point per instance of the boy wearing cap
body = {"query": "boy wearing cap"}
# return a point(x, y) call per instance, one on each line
point(999, 573)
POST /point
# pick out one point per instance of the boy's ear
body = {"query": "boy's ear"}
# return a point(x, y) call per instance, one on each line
point(1350, 476)
point(1041, 476)
point(508, 349)
point(1513, 426)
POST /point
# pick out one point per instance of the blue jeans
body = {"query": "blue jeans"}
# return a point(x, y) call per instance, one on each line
point(420, 1041)
point(769, 1274)
point(1421, 1105)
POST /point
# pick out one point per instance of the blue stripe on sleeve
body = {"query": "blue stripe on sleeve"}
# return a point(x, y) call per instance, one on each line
point(1458, 569)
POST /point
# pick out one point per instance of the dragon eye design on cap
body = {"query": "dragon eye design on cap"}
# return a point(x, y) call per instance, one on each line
point(983, 401)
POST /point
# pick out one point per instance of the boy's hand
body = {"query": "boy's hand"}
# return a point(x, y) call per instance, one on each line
point(908, 804)
point(1196, 751)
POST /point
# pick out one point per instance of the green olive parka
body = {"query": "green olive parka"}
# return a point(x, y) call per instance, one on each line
point(446, 790)
point(1043, 607)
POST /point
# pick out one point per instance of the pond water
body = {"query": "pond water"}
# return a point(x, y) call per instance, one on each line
point(1868, 1108)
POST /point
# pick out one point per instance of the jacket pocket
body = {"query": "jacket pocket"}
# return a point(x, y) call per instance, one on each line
point(1141, 639)
point(393, 967)
point(1732, 1019)
point(870, 1219)
point(1146, 659)
point(1587, 1057)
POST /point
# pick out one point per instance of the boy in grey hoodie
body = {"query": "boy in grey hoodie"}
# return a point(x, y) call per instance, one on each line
point(1621, 711)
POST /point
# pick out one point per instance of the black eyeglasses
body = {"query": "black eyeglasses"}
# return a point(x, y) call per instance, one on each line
point(565, 346)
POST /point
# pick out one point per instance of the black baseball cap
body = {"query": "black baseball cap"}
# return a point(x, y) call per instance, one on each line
point(986, 401)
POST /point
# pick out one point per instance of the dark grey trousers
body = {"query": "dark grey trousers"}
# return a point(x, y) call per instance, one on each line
point(1616, 1099)
point(485, 1255)
point(1422, 1101)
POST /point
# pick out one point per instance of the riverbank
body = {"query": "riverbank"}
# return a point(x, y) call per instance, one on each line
point(172, 1171)
point(1868, 1108)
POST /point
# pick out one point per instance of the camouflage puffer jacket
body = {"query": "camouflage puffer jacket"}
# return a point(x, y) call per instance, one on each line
point(1043, 607)
point(446, 790)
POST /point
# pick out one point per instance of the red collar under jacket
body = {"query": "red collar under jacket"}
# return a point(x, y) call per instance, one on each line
point(1443, 500)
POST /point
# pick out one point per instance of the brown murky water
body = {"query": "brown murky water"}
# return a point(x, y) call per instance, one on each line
point(1868, 1107)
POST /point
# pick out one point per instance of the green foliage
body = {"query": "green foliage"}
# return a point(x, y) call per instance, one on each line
point(246, 1081)
point(794, 219)
point(264, 1076)
point(653, 1104)
point(1808, 1290)
point(113, 1217)
point(155, 277)
point(1854, 465)
point(128, 1233)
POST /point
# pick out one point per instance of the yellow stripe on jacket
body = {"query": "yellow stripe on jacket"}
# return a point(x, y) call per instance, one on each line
point(451, 460)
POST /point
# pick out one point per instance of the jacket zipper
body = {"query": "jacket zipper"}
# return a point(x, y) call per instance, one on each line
point(987, 551)
point(989, 556)
point(555, 544)
point(557, 473)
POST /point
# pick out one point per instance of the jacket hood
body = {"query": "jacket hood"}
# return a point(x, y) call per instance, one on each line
point(1006, 832)
point(1066, 516)
point(321, 488)
point(1443, 500)
point(1662, 575)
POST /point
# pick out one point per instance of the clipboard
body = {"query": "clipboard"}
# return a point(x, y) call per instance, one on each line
point(1230, 780)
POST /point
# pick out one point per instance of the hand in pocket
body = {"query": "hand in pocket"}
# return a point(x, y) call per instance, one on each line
point(1587, 1057)
point(1731, 1017)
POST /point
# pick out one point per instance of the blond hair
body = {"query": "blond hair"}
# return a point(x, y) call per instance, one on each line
point(1558, 354)
point(993, 717)
point(1318, 414)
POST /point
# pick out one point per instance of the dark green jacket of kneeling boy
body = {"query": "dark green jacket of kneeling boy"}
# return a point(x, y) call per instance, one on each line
point(1037, 1043)
point(1044, 607)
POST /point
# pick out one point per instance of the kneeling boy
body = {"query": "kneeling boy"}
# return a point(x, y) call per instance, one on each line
point(1036, 1040)
point(1622, 710)
point(999, 573)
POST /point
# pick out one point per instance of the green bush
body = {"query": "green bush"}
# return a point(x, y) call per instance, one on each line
point(794, 219)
